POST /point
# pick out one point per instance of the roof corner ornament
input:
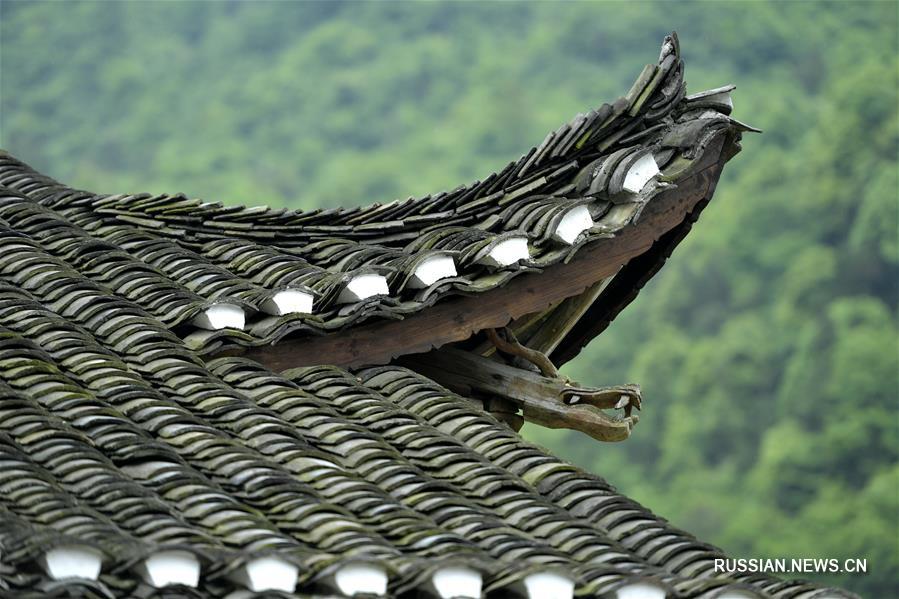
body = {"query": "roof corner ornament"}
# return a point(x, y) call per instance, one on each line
point(533, 385)
point(623, 397)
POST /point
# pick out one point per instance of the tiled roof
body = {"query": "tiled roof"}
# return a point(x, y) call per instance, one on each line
point(133, 457)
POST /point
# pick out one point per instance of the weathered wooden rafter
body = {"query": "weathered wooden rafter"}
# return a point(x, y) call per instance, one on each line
point(559, 321)
point(553, 402)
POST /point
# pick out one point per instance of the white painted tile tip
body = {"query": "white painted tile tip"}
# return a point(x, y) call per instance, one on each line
point(268, 573)
point(639, 174)
point(432, 269)
point(221, 316)
point(289, 301)
point(457, 581)
point(548, 585)
point(361, 578)
point(165, 568)
point(573, 223)
point(640, 590)
point(506, 252)
point(363, 287)
point(72, 561)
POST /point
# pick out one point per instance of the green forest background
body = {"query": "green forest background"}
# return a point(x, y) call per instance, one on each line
point(767, 348)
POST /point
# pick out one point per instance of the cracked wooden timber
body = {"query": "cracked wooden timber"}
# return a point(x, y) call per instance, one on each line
point(553, 402)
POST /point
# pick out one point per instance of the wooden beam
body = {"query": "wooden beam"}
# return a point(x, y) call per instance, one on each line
point(549, 402)
point(562, 319)
point(457, 318)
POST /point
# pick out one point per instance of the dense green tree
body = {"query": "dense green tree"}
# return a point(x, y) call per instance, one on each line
point(767, 348)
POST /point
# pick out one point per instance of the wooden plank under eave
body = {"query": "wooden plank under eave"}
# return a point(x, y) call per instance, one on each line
point(458, 318)
point(562, 319)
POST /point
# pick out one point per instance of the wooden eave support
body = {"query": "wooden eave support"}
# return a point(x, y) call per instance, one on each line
point(513, 347)
point(549, 402)
point(543, 331)
point(562, 319)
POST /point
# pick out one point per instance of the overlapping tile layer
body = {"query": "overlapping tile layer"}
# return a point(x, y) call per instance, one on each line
point(134, 465)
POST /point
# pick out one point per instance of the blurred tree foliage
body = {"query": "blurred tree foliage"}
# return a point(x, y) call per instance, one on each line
point(767, 348)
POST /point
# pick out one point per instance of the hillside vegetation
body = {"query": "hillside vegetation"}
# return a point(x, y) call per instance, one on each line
point(767, 348)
